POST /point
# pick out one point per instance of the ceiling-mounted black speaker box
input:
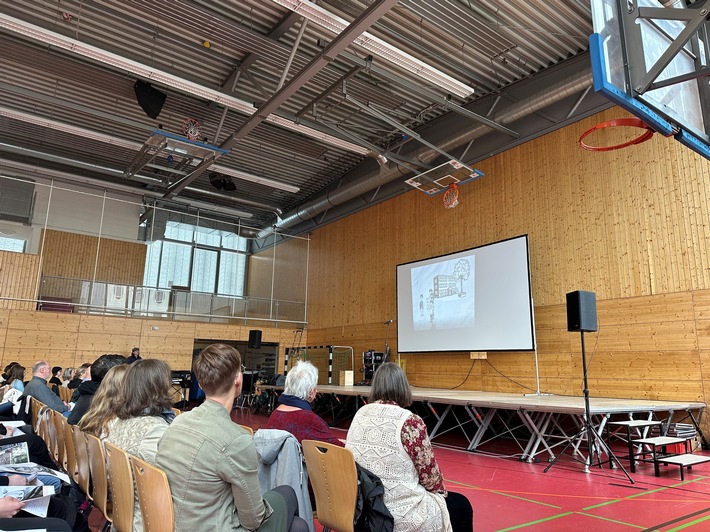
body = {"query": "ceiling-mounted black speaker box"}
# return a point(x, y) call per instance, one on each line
point(149, 98)
point(216, 180)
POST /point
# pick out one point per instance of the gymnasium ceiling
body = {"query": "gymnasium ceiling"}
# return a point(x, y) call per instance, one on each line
point(306, 153)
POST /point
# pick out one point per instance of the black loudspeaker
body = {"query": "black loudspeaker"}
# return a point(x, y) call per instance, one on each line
point(151, 100)
point(254, 339)
point(581, 311)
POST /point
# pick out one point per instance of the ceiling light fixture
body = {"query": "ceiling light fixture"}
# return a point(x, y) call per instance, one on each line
point(377, 46)
point(21, 27)
point(135, 146)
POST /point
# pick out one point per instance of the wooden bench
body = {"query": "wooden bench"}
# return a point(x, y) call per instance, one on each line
point(56, 304)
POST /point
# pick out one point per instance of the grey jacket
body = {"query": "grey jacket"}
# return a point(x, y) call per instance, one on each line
point(281, 463)
point(37, 388)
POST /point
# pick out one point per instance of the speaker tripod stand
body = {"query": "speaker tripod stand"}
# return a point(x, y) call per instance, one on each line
point(595, 443)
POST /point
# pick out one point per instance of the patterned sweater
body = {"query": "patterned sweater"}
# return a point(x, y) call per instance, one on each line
point(138, 436)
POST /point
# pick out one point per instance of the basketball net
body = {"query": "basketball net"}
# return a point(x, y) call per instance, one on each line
point(192, 129)
point(451, 196)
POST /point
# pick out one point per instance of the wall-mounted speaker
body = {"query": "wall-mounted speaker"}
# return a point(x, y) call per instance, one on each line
point(150, 99)
point(254, 339)
point(581, 311)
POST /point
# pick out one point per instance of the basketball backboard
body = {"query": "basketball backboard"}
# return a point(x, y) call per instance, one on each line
point(438, 179)
point(653, 61)
point(172, 156)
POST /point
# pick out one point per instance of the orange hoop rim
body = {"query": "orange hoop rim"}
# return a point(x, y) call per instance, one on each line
point(451, 196)
point(618, 122)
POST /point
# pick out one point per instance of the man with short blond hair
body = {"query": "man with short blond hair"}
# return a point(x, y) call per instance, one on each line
point(37, 388)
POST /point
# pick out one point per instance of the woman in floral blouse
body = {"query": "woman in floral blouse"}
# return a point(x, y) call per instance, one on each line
point(392, 443)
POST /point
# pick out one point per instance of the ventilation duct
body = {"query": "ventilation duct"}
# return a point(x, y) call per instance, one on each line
point(17, 198)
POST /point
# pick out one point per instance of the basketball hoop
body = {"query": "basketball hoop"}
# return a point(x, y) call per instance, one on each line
point(192, 129)
point(619, 122)
point(451, 196)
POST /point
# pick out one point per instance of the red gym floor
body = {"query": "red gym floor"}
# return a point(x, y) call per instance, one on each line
point(507, 494)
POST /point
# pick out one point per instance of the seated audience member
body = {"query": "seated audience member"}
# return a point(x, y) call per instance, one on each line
point(12, 517)
point(12, 391)
point(37, 388)
point(67, 376)
point(141, 421)
point(135, 355)
point(294, 412)
point(86, 390)
point(211, 463)
point(36, 446)
point(16, 377)
point(56, 376)
point(56, 381)
point(80, 376)
point(109, 395)
point(38, 452)
point(6, 371)
point(391, 441)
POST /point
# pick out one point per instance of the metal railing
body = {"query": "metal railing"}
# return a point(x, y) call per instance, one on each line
point(111, 299)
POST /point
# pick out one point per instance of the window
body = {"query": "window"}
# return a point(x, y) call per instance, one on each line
point(12, 244)
point(204, 271)
point(202, 259)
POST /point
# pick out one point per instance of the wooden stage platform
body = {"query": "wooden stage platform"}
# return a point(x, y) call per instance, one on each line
point(545, 422)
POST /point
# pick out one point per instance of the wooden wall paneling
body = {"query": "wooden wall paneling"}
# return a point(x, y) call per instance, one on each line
point(99, 335)
point(4, 320)
point(18, 279)
point(171, 341)
point(33, 336)
point(629, 225)
point(74, 256)
point(213, 331)
point(121, 262)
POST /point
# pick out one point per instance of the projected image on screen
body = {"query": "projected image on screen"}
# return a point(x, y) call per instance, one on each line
point(476, 299)
point(443, 295)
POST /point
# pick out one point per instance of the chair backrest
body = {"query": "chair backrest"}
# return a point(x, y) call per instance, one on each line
point(83, 470)
point(248, 429)
point(333, 475)
point(35, 405)
point(70, 450)
point(59, 421)
point(49, 432)
point(120, 480)
point(65, 394)
point(99, 480)
point(154, 496)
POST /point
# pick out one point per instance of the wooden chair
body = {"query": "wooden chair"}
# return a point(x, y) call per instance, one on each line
point(65, 394)
point(248, 429)
point(176, 411)
point(59, 422)
point(48, 431)
point(120, 479)
point(35, 407)
point(83, 470)
point(99, 479)
point(333, 476)
point(154, 496)
point(70, 451)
